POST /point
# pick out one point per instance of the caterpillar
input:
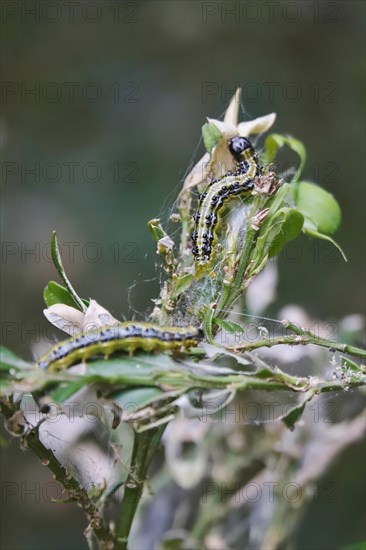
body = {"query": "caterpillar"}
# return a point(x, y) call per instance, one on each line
point(219, 191)
point(127, 337)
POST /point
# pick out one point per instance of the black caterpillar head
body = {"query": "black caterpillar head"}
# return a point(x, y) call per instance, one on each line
point(238, 144)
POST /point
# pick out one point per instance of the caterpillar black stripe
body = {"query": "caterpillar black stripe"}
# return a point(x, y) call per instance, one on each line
point(126, 337)
point(219, 192)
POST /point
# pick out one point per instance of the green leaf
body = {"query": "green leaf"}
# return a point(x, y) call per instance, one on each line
point(58, 294)
point(156, 229)
point(357, 373)
point(351, 365)
point(66, 390)
point(57, 262)
point(139, 367)
point(181, 284)
point(278, 201)
point(211, 135)
point(325, 238)
point(142, 369)
point(275, 141)
point(286, 226)
point(259, 256)
point(8, 361)
point(140, 397)
point(293, 415)
point(321, 211)
point(283, 226)
point(228, 326)
point(208, 322)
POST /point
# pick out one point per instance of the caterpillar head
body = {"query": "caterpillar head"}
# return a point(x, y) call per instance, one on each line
point(238, 144)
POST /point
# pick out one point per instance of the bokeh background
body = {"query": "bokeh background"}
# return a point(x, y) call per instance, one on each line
point(102, 144)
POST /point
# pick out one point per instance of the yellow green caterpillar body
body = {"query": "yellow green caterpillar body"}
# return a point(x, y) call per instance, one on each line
point(124, 337)
point(217, 195)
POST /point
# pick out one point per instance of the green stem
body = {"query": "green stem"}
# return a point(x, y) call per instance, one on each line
point(144, 447)
point(304, 338)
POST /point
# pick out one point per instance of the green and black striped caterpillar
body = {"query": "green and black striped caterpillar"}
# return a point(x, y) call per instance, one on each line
point(126, 337)
point(131, 336)
point(219, 192)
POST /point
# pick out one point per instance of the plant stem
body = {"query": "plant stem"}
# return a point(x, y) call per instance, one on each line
point(144, 447)
point(98, 529)
point(184, 208)
point(301, 337)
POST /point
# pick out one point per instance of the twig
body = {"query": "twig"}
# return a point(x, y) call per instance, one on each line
point(145, 445)
point(301, 337)
point(97, 526)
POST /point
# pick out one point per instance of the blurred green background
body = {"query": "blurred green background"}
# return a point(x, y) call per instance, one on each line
point(121, 90)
